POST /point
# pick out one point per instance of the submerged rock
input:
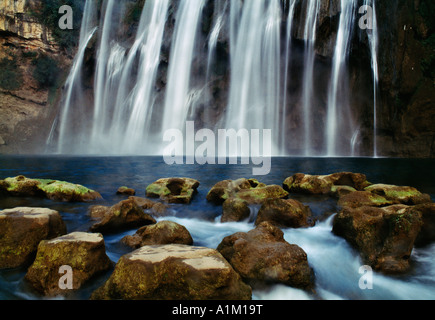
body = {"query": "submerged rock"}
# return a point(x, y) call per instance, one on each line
point(83, 252)
point(399, 194)
point(21, 230)
point(51, 189)
point(163, 232)
point(384, 236)
point(173, 272)
point(250, 190)
point(285, 213)
point(126, 191)
point(324, 184)
point(173, 190)
point(262, 256)
point(123, 215)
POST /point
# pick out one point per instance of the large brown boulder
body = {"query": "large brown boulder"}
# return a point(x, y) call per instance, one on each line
point(173, 190)
point(250, 190)
point(173, 272)
point(21, 230)
point(163, 232)
point(51, 189)
point(285, 213)
point(384, 236)
point(123, 215)
point(84, 253)
point(323, 184)
point(262, 256)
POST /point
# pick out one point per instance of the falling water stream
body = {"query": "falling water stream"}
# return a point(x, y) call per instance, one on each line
point(126, 114)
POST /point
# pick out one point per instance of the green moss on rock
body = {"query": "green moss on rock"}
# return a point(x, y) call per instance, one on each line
point(51, 189)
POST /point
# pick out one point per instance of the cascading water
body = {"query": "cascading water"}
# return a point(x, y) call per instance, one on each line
point(309, 36)
point(337, 101)
point(288, 53)
point(373, 40)
point(267, 54)
point(177, 105)
point(254, 100)
point(73, 83)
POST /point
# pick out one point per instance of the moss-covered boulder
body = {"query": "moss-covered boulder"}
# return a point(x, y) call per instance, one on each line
point(234, 210)
point(51, 189)
point(250, 190)
point(262, 256)
point(363, 198)
point(163, 232)
point(173, 272)
point(285, 213)
point(324, 184)
point(123, 215)
point(83, 252)
point(384, 236)
point(21, 230)
point(399, 194)
point(173, 190)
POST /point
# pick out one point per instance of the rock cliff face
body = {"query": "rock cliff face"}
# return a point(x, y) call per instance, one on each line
point(26, 107)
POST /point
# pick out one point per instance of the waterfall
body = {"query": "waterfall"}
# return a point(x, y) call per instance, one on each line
point(337, 100)
point(163, 74)
point(374, 42)
point(140, 103)
point(177, 101)
point(73, 82)
point(309, 34)
point(289, 30)
point(254, 99)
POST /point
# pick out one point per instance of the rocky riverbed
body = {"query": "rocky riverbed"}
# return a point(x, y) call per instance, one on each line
point(382, 222)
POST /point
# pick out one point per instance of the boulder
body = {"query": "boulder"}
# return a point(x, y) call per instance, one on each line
point(163, 232)
point(250, 190)
point(173, 272)
point(126, 191)
point(399, 194)
point(427, 232)
point(123, 215)
point(363, 198)
point(83, 252)
point(21, 230)
point(173, 190)
point(262, 256)
point(285, 213)
point(323, 184)
point(384, 236)
point(51, 189)
point(234, 210)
